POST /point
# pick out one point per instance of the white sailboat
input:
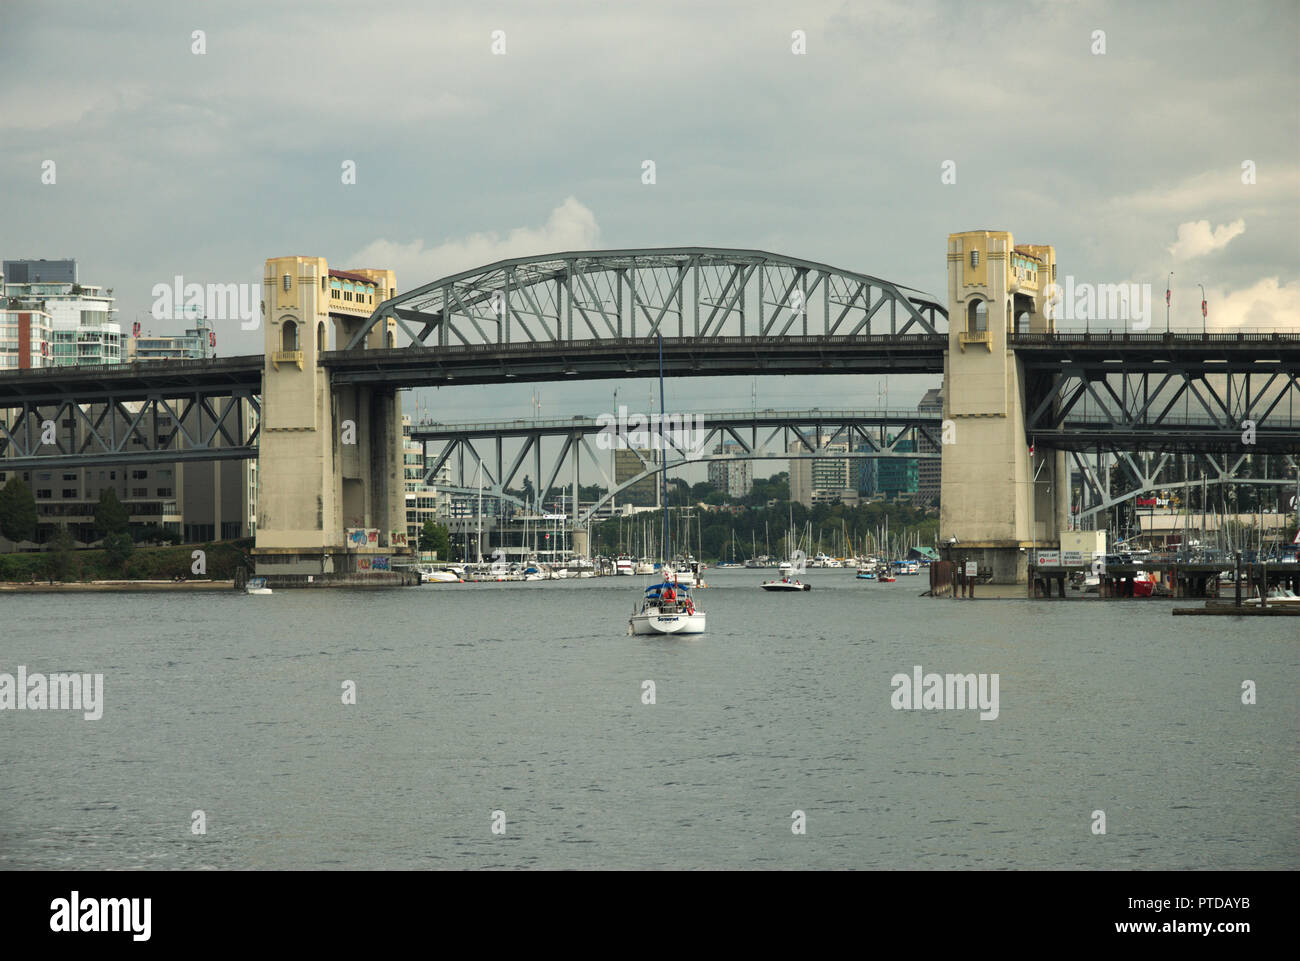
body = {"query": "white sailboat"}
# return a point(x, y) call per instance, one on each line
point(666, 608)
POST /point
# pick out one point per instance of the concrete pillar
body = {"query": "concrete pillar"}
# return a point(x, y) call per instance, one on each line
point(999, 500)
point(327, 461)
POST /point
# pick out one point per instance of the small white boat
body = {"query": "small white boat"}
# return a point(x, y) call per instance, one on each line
point(624, 565)
point(667, 608)
point(786, 584)
point(1277, 597)
point(644, 567)
point(429, 575)
point(685, 579)
point(256, 585)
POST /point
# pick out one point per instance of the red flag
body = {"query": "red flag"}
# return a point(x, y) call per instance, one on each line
point(135, 329)
point(1203, 308)
point(212, 339)
point(1166, 296)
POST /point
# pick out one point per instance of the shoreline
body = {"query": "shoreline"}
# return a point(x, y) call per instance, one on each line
point(91, 587)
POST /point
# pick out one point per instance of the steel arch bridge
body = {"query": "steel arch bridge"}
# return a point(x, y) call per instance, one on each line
point(698, 292)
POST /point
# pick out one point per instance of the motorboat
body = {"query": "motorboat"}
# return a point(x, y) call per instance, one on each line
point(437, 575)
point(624, 565)
point(685, 578)
point(666, 608)
point(644, 567)
point(786, 583)
point(256, 585)
point(1144, 584)
point(866, 573)
point(1277, 597)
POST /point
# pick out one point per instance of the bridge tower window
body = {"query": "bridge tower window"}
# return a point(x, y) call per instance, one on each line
point(287, 280)
point(289, 336)
point(320, 336)
point(974, 259)
point(977, 316)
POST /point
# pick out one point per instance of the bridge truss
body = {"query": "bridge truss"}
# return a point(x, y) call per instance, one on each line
point(698, 292)
point(1157, 417)
point(156, 413)
point(478, 452)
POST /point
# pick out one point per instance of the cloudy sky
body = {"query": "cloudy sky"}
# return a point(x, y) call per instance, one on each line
point(1130, 161)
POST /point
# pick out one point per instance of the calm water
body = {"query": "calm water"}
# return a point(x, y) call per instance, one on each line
point(526, 698)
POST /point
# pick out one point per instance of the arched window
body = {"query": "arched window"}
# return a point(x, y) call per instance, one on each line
point(320, 335)
point(977, 316)
point(389, 341)
point(289, 336)
point(1022, 322)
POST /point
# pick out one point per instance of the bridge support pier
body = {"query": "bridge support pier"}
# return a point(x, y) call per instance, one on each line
point(1001, 499)
point(331, 490)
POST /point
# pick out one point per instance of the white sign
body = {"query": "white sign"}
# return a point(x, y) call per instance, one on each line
point(972, 569)
point(1048, 558)
point(1072, 559)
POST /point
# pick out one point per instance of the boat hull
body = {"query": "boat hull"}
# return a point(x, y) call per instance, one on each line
point(780, 586)
point(655, 623)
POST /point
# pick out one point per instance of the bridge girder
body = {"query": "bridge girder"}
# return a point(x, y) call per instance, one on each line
point(158, 429)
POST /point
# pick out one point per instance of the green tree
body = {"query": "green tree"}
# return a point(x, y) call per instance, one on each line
point(110, 515)
point(62, 553)
point(17, 511)
point(436, 538)
point(118, 548)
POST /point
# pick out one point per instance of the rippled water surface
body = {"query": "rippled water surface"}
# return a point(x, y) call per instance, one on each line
point(527, 699)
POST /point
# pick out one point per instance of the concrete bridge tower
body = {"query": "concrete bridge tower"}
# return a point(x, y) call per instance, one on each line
point(999, 500)
point(330, 461)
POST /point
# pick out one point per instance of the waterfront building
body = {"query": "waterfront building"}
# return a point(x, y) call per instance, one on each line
point(25, 339)
point(823, 480)
point(423, 502)
point(929, 473)
point(83, 317)
point(197, 343)
point(628, 465)
point(897, 477)
point(732, 477)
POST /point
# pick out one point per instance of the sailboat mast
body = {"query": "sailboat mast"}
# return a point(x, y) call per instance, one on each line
point(663, 474)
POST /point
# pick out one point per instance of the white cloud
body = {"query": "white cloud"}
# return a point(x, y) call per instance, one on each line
point(1267, 304)
point(1196, 239)
point(570, 226)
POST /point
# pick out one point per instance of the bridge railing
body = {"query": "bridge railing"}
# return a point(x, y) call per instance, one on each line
point(807, 415)
point(1116, 418)
point(1108, 337)
point(610, 343)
